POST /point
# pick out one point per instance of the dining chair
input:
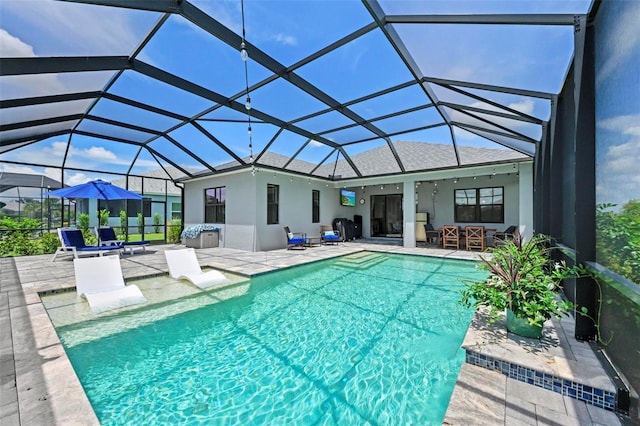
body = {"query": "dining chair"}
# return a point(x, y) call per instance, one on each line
point(475, 237)
point(451, 236)
point(432, 234)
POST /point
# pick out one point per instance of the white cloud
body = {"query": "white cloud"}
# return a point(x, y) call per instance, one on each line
point(70, 30)
point(624, 40)
point(99, 153)
point(622, 157)
point(75, 29)
point(286, 40)
point(13, 168)
point(617, 176)
point(315, 143)
point(625, 124)
point(76, 179)
point(11, 46)
point(23, 85)
point(50, 172)
point(53, 173)
point(525, 106)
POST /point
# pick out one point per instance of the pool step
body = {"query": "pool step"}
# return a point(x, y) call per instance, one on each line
point(557, 362)
point(363, 260)
point(599, 396)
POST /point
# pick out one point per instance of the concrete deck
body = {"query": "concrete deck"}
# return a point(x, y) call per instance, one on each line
point(39, 386)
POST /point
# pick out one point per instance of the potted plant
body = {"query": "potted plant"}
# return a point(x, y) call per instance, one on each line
point(524, 282)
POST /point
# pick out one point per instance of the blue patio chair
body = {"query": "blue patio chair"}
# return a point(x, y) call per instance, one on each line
point(72, 242)
point(295, 239)
point(107, 237)
point(330, 237)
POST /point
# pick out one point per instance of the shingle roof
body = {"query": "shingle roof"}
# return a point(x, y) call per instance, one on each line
point(416, 156)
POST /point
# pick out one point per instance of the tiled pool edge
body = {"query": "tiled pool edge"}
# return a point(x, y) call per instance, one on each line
point(47, 389)
point(588, 394)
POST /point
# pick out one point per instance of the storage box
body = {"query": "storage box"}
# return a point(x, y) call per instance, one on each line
point(206, 239)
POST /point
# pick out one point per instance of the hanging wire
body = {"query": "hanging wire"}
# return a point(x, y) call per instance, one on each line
point(245, 58)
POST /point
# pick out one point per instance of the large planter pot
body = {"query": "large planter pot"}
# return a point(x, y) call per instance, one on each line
point(521, 327)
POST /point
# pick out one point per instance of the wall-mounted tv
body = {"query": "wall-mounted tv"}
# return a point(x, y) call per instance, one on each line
point(347, 198)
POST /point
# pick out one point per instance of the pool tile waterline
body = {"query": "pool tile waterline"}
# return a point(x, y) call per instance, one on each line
point(594, 396)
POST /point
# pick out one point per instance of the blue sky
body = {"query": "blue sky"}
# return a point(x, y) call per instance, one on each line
point(537, 59)
point(618, 105)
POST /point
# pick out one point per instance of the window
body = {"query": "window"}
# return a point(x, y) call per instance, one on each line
point(113, 206)
point(214, 205)
point(483, 205)
point(315, 206)
point(273, 197)
point(176, 211)
point(134, 207)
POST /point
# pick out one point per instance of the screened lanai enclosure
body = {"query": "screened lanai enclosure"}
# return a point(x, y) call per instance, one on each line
point(111, 88)
point(158, 96)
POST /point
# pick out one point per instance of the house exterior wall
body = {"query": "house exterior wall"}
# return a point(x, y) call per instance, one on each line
point(246, 208)
point(517, 203)
point(246, 204)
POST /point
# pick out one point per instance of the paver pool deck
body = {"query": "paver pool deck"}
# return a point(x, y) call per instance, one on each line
point(40, 387)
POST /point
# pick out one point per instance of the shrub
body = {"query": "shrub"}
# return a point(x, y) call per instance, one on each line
point(49, 242)
point(17, 237)
point(103, 216)
point(524, 280)
point(174, 231)
point(140, 223)
point(618, 238)
point(124, 227)
point(83, 222)
point(156, 222)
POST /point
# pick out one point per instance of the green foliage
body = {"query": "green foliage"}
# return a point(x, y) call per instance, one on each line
point(124, 228)
point(89, 238)
point(140, 223)
point(156, 222)
point(49, 242)
point(103, 217)
point(83, 221)
point(17, 237)
point(174, 230)
point(522, 279)
point(618, 239)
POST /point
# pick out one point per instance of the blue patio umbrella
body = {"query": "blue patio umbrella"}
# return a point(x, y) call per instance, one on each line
point(100, 189)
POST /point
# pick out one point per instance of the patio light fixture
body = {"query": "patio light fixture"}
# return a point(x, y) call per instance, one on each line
point(245, 56)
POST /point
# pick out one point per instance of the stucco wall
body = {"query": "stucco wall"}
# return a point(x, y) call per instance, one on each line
point(246, 217)
point(440, 205)
point(246, 206)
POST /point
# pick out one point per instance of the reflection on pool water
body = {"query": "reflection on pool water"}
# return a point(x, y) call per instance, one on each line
point(367, 337)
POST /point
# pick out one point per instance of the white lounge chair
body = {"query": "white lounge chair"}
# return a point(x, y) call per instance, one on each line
point(183, 264)
point(100, 281)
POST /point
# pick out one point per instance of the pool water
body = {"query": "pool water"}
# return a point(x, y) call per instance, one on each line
point(366, 338)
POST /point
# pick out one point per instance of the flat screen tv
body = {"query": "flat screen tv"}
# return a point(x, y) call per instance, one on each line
point(347, 198)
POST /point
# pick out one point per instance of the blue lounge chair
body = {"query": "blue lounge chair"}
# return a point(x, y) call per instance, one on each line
point(72, 242)
point(107, 237)
point(295, 239)
point(330, 237)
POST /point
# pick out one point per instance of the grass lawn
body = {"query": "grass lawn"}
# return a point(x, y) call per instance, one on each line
point(149, 237)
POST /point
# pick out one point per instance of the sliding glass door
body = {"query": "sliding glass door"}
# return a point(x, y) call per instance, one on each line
point(386, 215)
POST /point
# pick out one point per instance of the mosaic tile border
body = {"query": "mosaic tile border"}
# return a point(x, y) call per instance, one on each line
point(590, 395)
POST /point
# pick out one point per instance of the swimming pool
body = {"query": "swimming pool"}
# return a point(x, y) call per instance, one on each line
point(368, 337)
